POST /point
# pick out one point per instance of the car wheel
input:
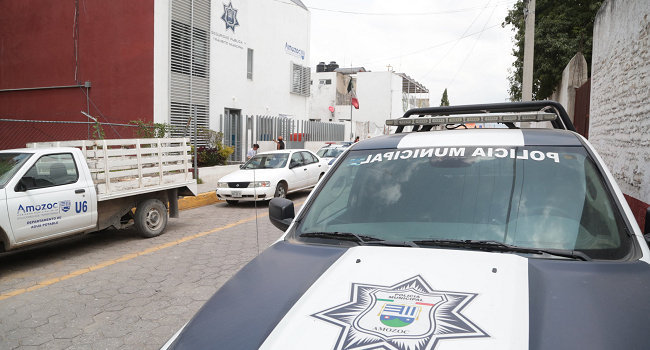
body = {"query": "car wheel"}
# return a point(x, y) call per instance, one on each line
point(151, 218)
point(281, 190)
point(232, 201)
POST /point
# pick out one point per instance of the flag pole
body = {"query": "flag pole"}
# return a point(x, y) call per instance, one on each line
point(351, 107)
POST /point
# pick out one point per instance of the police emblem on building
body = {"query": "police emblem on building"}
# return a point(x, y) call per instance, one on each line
point(230, 16)
point(407, 315)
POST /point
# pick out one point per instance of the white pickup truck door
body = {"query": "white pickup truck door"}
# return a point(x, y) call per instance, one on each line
point(52, 200)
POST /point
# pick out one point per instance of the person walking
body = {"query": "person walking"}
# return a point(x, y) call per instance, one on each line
point(253, 151)
point(279, 143)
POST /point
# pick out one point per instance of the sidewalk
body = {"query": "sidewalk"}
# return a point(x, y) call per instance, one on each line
point(206, 190)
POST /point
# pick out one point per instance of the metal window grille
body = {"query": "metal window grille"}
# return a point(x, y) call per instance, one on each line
point(249, 65)
point(182, 124)
point(300, 79)
point(189, 90)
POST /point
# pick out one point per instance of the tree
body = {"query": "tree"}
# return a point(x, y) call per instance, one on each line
point(562, 28)
point(445, 100)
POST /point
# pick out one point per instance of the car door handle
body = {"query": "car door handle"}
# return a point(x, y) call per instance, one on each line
point(305, 169)
point(81, 190)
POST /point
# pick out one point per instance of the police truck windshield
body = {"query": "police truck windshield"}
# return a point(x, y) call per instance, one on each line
point(10, 163)
point(534, 197)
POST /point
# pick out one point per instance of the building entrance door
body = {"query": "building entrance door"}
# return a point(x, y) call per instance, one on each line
point(232, 132)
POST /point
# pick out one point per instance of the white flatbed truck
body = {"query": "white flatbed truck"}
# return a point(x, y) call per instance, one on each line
point(56, 189)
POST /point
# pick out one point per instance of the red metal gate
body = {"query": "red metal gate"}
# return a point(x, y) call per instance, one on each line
point(581, 112)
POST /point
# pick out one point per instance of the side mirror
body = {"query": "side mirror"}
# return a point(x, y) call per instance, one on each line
point(241, 166)
point(281, 213)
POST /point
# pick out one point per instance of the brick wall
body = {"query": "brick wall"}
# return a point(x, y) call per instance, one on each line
point(620, 94)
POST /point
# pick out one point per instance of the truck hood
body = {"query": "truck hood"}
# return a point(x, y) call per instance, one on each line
point(315, 297)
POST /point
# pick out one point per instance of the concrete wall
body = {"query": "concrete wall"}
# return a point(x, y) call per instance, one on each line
point(620, 90)
point(573, 76)
point(323, 96)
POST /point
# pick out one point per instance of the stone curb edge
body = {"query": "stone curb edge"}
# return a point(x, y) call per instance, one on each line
point(200, 200)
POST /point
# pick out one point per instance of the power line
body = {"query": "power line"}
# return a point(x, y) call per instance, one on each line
point(471, 50)
point(457, 41)
point(392, 14)
point(432, 47)
point(405, 14)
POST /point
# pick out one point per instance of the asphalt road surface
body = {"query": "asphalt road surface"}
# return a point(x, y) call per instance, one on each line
point(113, 289)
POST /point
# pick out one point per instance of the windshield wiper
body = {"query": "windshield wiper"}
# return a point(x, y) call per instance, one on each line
point(343, 236)
point(503, 247)
point(360, 239)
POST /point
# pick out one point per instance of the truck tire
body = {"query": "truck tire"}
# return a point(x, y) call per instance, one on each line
point(151, 218)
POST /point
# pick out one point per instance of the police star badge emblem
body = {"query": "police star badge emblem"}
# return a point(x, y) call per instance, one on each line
point(407, 315)
point(230, 16)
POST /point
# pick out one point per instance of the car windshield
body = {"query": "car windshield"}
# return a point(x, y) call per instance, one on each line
point(267, 161)
point(534, 197)
point(9, 165)
point(329, 152)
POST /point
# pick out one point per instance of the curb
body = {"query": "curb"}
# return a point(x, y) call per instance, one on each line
point(200, 200)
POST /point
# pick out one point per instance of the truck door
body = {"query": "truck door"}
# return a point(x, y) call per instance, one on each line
point(50, 199)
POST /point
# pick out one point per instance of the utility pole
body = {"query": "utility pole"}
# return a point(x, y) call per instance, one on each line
point(529, 52)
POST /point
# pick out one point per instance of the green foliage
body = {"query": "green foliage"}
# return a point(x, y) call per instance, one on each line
point(215, 153)
point(562, 29)
point(98, 132)
point(149, 130)
point(445, 99)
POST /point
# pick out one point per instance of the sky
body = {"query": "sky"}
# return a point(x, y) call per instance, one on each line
point(454, 44)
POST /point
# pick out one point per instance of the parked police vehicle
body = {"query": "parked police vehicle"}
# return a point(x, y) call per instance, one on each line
point(502, 238)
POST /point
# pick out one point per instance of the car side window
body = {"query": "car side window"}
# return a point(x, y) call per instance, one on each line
point(51, 170)
point(296, 160)
point(309, 158)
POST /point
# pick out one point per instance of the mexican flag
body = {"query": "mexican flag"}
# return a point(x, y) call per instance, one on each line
point(353, 95)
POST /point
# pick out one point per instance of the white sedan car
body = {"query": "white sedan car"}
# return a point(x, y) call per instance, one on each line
point(272, 174)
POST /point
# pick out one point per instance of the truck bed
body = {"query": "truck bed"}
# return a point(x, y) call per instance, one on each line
point(126, 167)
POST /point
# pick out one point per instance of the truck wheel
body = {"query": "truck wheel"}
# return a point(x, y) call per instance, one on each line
point(151, 218)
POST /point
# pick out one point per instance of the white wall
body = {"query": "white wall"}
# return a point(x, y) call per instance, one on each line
point(620, 90)
point(322, 96)
point(573, 76)
point(161, 69)
point(265, 26)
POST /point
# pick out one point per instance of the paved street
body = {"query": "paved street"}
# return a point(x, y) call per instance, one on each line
point(114, 289)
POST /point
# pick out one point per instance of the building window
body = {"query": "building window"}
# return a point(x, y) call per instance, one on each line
point(249, 65)
point(183, 57)
point(300, 78)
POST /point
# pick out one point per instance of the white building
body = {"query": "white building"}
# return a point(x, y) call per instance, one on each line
point(382, 95)
point(246, 57)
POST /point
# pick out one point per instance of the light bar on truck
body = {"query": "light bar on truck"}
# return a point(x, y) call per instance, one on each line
point(475, 118)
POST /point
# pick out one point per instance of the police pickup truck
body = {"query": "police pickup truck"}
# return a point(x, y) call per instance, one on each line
point(52, 190)
point(488, 238)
